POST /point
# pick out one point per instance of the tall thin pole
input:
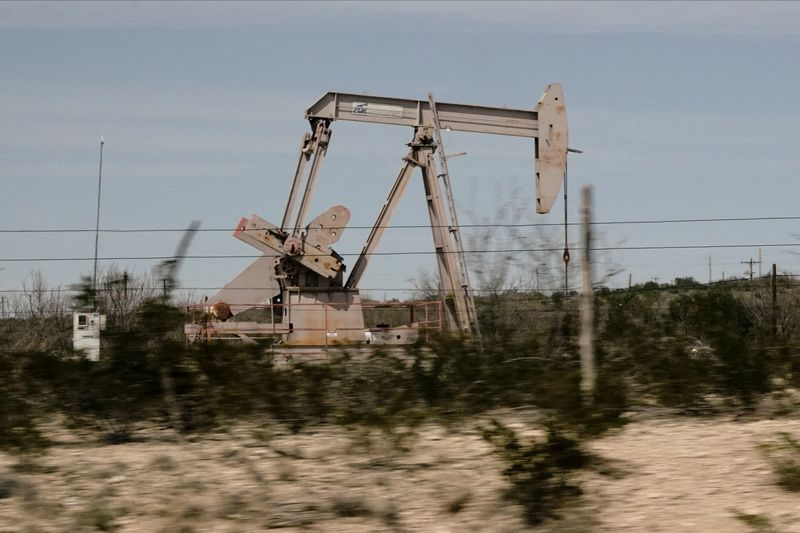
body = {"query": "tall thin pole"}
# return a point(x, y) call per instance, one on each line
point(709, 270)
point(749, 262)
point(586, 342)
point(125, 297)
point(774, 299)
point(97, 224)
point(566, 236)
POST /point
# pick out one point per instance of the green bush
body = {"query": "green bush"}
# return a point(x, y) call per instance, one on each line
point(785, 459)
point(740, 367)
point(19, 408)
point(540, 472)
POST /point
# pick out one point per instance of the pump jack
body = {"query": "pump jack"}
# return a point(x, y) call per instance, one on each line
point(301, 270)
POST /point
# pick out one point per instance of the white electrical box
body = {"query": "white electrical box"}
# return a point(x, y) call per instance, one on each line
point(86, 329)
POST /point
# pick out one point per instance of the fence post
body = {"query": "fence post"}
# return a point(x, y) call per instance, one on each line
point(774, 299)
point(586, 342)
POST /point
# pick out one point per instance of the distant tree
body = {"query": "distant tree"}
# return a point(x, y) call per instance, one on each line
point(687, 283)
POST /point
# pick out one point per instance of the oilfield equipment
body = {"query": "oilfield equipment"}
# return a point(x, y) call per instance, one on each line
point(299, 282)
point(87, 326)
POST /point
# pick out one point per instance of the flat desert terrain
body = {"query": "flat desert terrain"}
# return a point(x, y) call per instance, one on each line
point(658, 473)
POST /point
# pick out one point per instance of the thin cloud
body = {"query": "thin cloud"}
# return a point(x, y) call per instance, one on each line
point(444, 17)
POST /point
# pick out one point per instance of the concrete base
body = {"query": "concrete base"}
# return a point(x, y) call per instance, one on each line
point(323, 317)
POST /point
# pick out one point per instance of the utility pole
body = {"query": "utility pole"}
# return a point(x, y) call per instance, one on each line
point(2, 301)
point(586, 342)
point(750, 270)
point(750, 262)
point(759, 262)
point(709, 270)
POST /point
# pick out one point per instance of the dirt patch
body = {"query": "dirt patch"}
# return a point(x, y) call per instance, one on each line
point(682, 474)
point(663, 474)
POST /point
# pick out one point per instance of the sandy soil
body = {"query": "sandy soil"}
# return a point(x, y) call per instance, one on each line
point(655, 474)
point(692, 475)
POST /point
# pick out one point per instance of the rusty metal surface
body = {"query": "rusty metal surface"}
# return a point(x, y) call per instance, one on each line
point(314, 255)
point(307, 321)
point(324, 318)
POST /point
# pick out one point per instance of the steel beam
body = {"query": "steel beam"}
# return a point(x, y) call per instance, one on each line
point(417, 113)
point(547, 125)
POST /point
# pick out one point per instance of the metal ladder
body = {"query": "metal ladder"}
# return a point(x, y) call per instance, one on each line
point(455, 230)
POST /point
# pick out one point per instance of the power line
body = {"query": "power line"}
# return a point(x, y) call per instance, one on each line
point(420, 226)
point(410, 252)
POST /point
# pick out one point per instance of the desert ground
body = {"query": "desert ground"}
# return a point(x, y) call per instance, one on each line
point(660, 472)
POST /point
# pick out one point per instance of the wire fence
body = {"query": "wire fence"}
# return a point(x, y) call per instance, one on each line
point(549, 271)
point(419, 226)
point(641, 287)
point(504, 297)
point(505, 250)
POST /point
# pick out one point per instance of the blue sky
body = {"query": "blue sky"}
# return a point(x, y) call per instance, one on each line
point(683, 110)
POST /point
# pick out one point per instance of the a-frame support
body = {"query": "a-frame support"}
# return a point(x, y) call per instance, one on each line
point(454, 286)
point(314, 146)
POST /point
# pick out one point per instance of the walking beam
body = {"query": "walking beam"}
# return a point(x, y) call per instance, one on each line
point(546, 124)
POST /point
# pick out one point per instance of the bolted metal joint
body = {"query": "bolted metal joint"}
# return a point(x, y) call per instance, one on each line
point(293, 246)
point(422, 137)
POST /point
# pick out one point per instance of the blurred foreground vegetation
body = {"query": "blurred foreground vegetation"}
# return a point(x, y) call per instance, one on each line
point(687, 347)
